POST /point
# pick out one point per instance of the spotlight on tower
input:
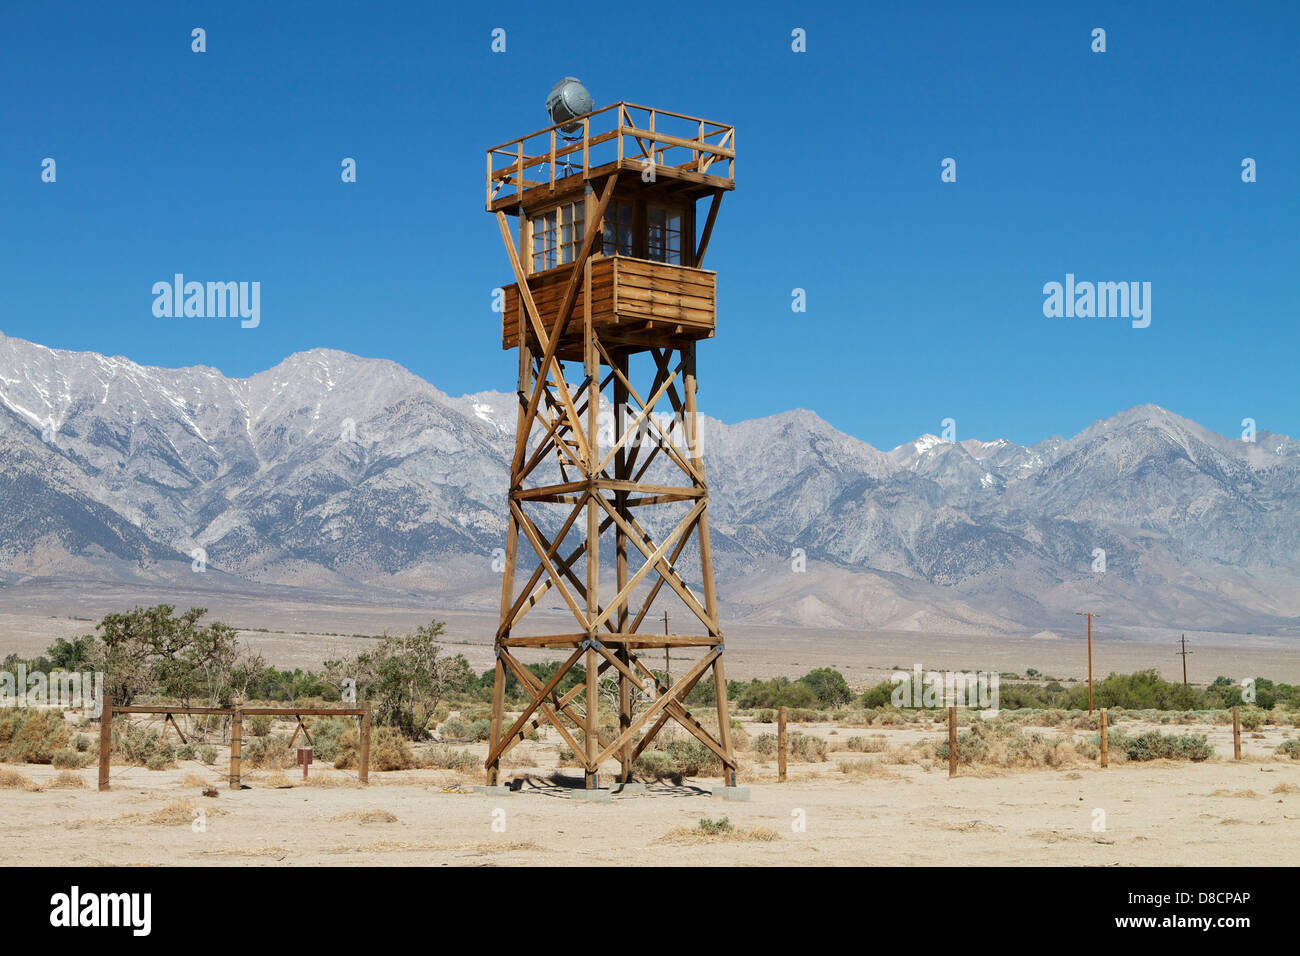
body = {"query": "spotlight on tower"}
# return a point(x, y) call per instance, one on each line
point(567, 101)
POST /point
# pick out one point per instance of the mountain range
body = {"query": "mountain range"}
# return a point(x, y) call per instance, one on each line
point(354, 475)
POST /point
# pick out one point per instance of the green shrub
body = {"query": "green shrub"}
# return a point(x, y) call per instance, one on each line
point(655, 763)
point(766, 716)
point(137, 743)
point(716, 827)
point(259, 725)
point(444, 757)
point(268, 753)
point(69, 759)
point(81, 742)
point(31, 734)
point(158, 761)
point(1154, 745)
point(1290, 748)
point(460, 728)
point(389, 750)
point(186, 752)
point(1252, 718)
point(970, 748)
point(325, 734)
point(764, 745)
point(806, 748)
point(208, 754)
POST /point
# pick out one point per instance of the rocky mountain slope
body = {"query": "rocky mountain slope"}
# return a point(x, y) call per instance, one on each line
point(350, 473)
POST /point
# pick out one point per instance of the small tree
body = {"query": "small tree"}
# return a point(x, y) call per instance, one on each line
point(156, 650)
point(404, 678)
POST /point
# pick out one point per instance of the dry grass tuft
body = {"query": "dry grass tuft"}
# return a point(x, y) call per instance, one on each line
point(1286, 788)
point(864, 769)
point(365, 816)
point(333, 780)
point(696, 835)
point(13, 780)
point(67, 780)
point(1248, 794)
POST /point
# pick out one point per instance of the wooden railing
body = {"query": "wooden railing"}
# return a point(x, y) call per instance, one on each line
point(618, 135)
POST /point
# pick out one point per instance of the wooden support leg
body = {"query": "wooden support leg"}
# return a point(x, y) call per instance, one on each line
point(105, 740)
point(593, 698)
point(724, 724)
point(498, 709)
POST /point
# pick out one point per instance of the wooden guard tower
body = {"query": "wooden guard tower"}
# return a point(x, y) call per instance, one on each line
point(608, 275)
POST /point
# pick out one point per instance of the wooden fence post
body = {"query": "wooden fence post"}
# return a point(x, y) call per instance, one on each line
point(780, 744)
point(105, 739)
point(236, 742)
point(364, 770)
point(952, 741)
point(1105, 755)
point(1236, 733)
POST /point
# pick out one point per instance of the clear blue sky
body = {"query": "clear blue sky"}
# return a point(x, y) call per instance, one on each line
point(924, 298)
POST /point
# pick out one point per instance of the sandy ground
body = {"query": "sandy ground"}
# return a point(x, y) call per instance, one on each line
point(1215, 813)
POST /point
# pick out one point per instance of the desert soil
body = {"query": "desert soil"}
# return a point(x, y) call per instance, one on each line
point(1219, 812)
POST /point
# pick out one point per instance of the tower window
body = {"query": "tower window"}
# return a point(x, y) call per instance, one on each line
point(618, 229)
point(665, 234)
point(558, 235)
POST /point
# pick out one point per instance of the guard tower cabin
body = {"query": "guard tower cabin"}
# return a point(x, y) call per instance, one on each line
point(647, 285)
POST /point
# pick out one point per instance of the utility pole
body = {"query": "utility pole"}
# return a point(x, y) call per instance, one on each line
point(1184, 652)
point(1089, 615)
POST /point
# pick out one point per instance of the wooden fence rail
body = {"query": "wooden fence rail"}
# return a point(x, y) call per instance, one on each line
point(237, 713)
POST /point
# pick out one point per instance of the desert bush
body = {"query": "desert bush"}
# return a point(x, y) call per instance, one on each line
point(31, 734)
point(1252, 718)
point(766, 716)
point(325, 735)
point(1290, 748)
point(259, 725)
point(137, 743)
point(806, 747)
point(406, 678)
point(443, 757)
point(764, 745)
point(1154, 745)
point(718, 826)
point(69, 759)
point(268, 753)
point(655, 763)
point(81, 743)
point(185, 752)
point(867, 745)
point(389, 750)
point(208, 754)
point(159, 761)
point(971, 748)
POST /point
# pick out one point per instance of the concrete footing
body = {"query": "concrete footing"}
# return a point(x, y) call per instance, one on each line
point(494, 791)
point(630, 788)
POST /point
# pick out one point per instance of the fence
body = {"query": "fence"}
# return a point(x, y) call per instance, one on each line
point(237, 713)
